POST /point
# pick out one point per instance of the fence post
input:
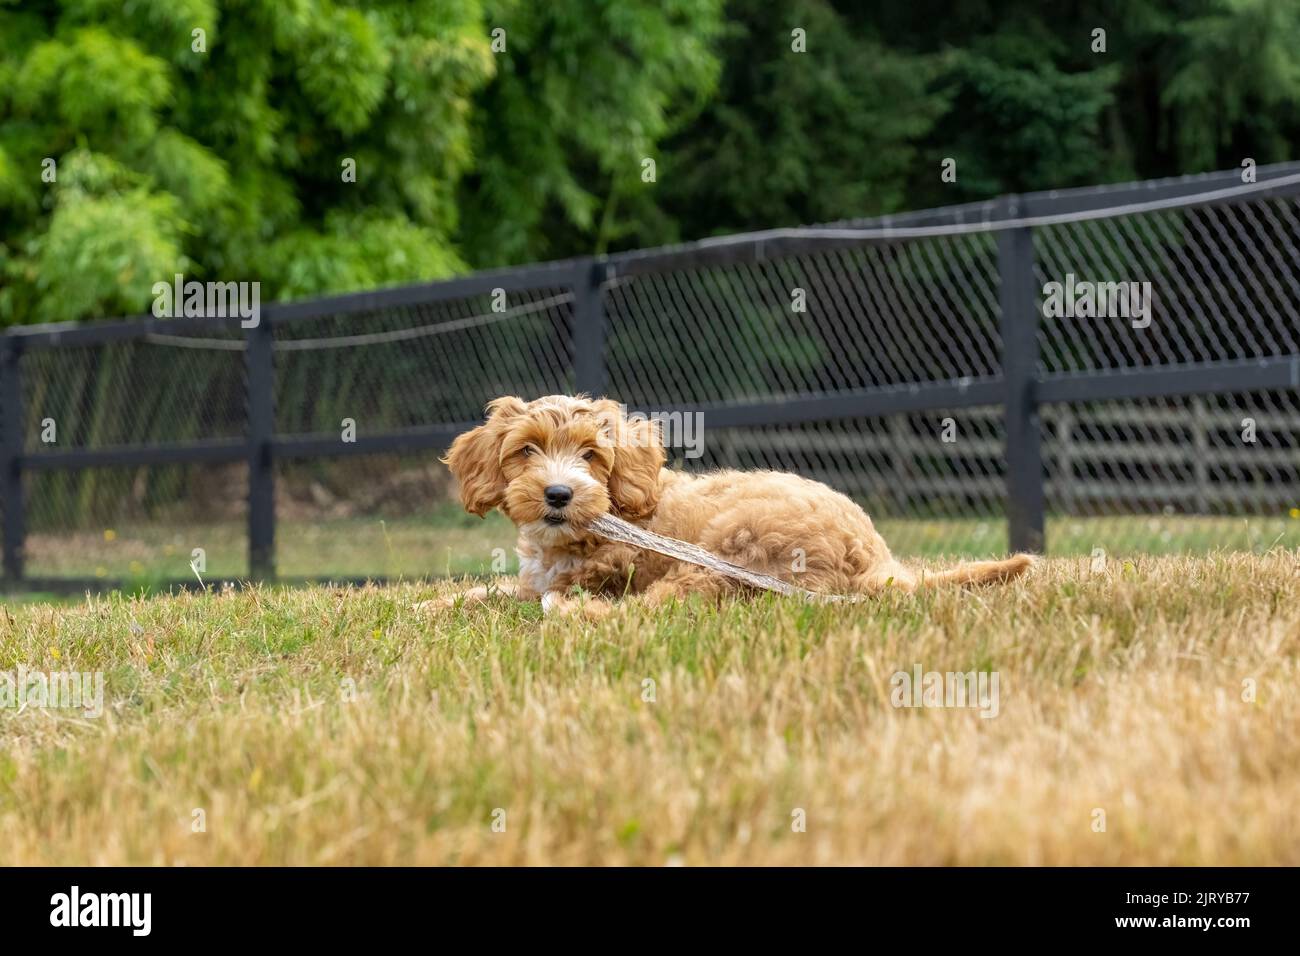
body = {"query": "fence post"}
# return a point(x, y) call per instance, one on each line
point(1065, 458)
point(1200, 464)
point(589, 330)
point(1020, 320)
point(11, 451)
point(261, 467)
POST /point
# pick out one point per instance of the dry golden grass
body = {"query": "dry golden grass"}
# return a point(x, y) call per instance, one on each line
point(1120, 691)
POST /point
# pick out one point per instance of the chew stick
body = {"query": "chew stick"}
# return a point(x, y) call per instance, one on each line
point(616, 529)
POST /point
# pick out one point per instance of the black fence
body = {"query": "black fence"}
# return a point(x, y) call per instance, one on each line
point(923, 363)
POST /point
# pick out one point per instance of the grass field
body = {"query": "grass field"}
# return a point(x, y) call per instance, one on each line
point(448, 541)
point(338, 727)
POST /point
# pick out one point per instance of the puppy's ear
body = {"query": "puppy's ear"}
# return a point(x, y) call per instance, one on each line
point(634, 480)
point(475, 458)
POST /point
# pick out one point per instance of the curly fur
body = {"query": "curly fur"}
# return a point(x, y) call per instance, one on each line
point(779, 524)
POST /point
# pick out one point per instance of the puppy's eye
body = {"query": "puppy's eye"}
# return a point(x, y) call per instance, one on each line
point(526, 450)
point(588, 455)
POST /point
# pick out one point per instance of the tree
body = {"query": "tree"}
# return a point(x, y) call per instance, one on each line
point(584, 93)
point(211, 138)
point(808, 126)
point(329, 145)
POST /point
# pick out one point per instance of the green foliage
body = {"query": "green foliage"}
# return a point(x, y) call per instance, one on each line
point(1232, 80)
point(107, 239)
point(325, 261)
point(486, 132)
point(1014, 92)
point(222, 154)
point(800, 137)
point(1027, 123)
point(585, 92)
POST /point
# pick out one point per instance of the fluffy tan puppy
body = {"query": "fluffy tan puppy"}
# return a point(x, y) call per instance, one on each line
point(554, 464)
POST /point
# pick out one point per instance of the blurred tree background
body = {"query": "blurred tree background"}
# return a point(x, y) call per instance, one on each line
point(132, 148)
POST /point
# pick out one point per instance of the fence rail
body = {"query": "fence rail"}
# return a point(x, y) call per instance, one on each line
point(825, 350)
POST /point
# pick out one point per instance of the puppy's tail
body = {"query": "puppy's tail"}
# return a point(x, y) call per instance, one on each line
point(966, 573)
point(979, 572)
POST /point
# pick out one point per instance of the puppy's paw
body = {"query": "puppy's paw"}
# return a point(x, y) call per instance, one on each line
point(555, 604)
point(475, 595)
point(437, 604)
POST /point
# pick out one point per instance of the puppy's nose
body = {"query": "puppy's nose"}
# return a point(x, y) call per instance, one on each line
point(557, 496)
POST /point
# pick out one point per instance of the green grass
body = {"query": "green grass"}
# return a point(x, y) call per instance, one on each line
point(1123, 535)
point(338, 726)
point(448, 541)
point(445, 542)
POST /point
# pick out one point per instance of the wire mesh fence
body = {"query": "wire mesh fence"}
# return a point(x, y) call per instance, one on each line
point(1225, 282)
point(137, 523)
point(420, 364)
point(822, 322)
point(1151, 405)
point(388, 515)
point(167, 389)
point(1176, 474)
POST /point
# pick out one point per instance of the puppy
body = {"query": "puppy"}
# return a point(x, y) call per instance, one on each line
point(554, 464)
